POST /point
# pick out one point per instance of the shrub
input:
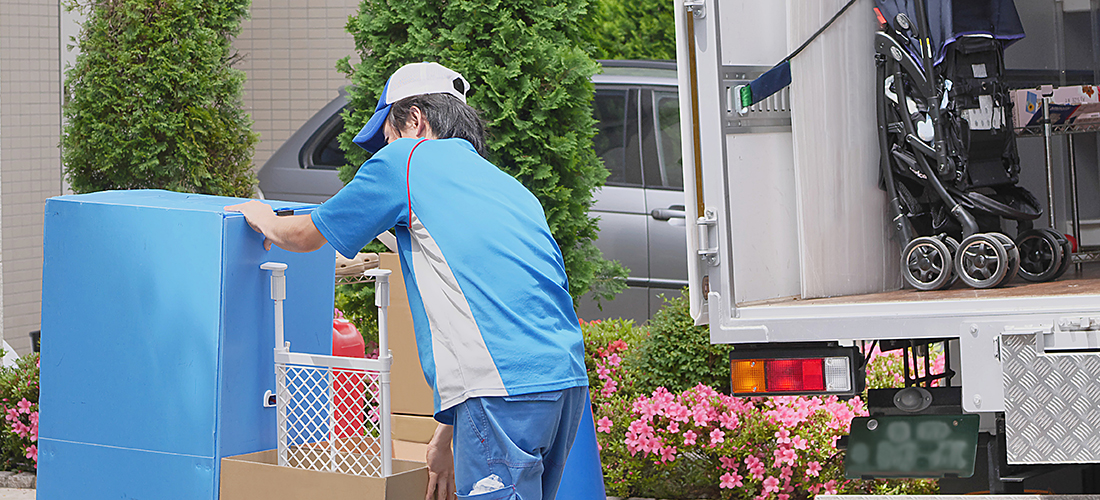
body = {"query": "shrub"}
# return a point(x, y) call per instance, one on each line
point(639, 29)
point(678, 355)
point(153, 102)
point(19, 403)
point(530, 77)
point(699, 443)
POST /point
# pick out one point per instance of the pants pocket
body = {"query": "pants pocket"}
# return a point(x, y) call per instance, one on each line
point(536, 396)
point(508, 493)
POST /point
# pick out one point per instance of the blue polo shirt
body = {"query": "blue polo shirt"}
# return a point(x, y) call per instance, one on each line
point(485, 278)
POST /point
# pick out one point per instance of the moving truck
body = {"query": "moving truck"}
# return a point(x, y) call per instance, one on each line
point(796, 264)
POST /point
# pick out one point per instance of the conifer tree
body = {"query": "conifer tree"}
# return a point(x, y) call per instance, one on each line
point(153, 101)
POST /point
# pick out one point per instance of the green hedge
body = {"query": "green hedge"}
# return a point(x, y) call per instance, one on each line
point(153, 100)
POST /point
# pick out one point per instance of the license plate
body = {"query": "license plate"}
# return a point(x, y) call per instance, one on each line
point(912, 446)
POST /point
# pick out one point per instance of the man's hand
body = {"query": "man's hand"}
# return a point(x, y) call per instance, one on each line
point(256, 213)
point(441, 465)
point(295, 232)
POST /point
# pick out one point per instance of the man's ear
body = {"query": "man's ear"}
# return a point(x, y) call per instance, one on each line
point(417, 123)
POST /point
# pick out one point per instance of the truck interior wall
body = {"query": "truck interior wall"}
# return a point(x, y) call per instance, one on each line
point(763, 222)
point(757, 37)
point(844, 236)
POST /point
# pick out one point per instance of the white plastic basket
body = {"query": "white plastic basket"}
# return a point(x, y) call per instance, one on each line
point(333, 412)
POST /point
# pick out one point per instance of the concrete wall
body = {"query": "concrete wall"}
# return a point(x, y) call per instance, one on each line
point(290, 48)
point(30, 160)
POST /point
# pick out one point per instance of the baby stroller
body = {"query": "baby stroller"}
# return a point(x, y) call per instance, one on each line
point(948, 151)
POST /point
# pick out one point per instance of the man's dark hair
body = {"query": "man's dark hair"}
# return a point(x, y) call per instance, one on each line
point(448, 116)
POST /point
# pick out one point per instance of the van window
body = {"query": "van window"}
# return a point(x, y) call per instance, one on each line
point(616, 140)
point(322, 151)
point(661, 124)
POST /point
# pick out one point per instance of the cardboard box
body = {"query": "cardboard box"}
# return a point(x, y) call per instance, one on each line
point(407, 450)
point(256, 476)
point(409, 392)
point(1076, 104)
point(413, 428)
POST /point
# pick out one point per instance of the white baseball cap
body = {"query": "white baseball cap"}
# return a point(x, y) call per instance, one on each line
point(409, 80)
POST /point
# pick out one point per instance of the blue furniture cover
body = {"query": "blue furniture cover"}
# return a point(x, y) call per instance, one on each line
point(157, 337)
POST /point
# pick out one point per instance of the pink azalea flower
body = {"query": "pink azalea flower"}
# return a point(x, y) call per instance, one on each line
point(784, 496)
point(728, 463)
point(699, 414)
point(728, 420)
point(813, 469)
point(674, 427)
point(783, 436)
point(717, 436)
point(603, 424)
point(668, 454)
point(730, 480)
point(830, 487)
point(771, 485)
point(689, 438)
point(609, 388)
point(24, 406)
point(641, 428)
point(32, 453)
point(614, 359)
point(799, 443)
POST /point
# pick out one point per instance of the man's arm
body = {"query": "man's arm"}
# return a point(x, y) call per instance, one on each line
point(295, 233)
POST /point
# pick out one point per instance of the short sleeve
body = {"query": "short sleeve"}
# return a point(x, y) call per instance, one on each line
point(374, 201)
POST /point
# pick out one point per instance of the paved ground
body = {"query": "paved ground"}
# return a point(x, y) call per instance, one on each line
point(16, 494)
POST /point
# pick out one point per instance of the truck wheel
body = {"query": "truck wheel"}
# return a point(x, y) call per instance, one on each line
point(1041, 255)
point(1013, 257)
point(982, 261)
point(926, 263)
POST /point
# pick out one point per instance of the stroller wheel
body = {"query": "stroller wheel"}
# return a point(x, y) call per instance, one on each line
point(1067, 252)
point(953, 249)
point(1013, 256)
point(1041, 254)
point(926, 263)
point(982, 261)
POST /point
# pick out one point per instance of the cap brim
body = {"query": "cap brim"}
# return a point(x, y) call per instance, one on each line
point(371, 137)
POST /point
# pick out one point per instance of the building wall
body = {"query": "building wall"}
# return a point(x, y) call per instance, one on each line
point(30, 163)
point(290, 49)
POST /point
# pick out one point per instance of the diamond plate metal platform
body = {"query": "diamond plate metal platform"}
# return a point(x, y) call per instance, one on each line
point(1052, 404)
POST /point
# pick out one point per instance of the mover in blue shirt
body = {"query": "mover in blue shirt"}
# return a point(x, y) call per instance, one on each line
point(496, 332)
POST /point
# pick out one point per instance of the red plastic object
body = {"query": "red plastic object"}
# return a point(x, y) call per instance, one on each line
point(346, 340)
point(350, 387)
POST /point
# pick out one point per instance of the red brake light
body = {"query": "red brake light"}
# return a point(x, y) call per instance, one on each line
point(794, 375)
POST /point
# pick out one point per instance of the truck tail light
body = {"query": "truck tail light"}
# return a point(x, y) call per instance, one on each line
point(775, 372)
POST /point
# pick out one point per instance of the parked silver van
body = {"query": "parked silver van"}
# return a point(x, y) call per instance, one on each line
point(641, 207)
